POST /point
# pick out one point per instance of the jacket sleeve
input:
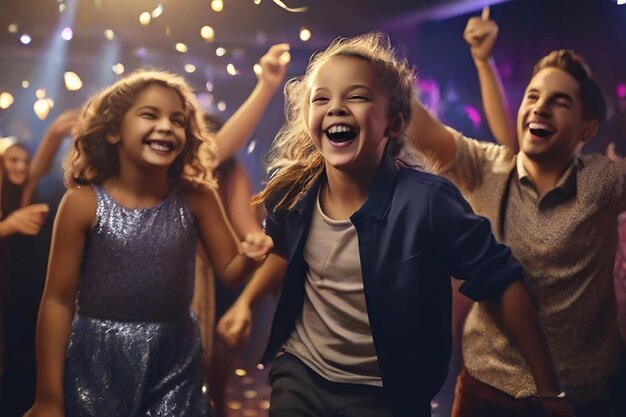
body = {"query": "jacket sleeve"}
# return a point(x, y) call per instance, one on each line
point(274, 225)
point(467, 247)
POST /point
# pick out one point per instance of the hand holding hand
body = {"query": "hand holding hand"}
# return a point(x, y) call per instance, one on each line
point(235, 325)
point(257, 245)
point(481, 34)
point(273, 65)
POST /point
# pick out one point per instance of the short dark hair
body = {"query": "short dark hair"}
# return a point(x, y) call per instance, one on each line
point(593, 101)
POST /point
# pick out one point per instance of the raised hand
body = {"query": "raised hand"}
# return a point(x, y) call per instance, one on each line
point(26, 221)
point(235, 325)
point(257, 245)
point(273, 65)
point(481, 34)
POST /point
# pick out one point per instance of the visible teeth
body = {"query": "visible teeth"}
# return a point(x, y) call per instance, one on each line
point(339, 129)
point(160, 146)
point(535, 125)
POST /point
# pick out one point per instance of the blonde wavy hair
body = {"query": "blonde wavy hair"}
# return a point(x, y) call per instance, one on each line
point(93, 159)
point(294, 161)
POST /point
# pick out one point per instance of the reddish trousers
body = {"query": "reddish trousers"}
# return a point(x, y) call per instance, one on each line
point(475, 399)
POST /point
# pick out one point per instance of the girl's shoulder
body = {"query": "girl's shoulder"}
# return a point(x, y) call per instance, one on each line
point(84, 195)
point(197, 196)
point(79, 203)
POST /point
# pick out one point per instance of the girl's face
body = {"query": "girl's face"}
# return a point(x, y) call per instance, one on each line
point(152, 133)
point(16, 163)
point(348, 115)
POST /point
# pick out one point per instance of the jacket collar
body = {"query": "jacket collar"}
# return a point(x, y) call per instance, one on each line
point(378, 199)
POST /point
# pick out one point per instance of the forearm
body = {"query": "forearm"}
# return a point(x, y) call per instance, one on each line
point(429, 136)
point(53, 332)
point(238, 128)
point(495, 103)
point(267, 279)
point(238, 270)
point(241, 213)
point(47, 149)
point(524, 329)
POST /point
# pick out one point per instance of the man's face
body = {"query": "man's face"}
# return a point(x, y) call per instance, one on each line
point(550, 123)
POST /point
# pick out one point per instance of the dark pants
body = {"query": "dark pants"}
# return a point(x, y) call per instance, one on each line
point(297, 391)
point(476, 399)
point(616, 387)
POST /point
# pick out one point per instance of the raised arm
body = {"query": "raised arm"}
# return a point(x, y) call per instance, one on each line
point(50, 142)
point(481, 34)
point(429, 137)
point(238, 128)
point(73, 220)
point(241, 213)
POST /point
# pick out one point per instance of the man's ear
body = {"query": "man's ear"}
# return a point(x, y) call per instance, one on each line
point(112, 139)
point(590, 128)
point(395, 126)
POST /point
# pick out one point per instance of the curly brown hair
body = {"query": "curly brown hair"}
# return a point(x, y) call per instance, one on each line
point(294, 160)
point(93, 158)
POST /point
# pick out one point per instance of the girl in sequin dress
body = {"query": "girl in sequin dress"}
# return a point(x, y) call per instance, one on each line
point(115, 334)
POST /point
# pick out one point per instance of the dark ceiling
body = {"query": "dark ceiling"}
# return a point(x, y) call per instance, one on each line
point(244, 28)
point(429, 32)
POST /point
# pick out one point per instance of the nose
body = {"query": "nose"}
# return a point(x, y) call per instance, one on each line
point(22, 165)
point(165, 125)
point(541, 108)
point(337, 108)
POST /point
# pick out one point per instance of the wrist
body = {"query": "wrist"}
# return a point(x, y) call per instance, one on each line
point(5, 228)
point(49, 398)
point(253, 261)
point(487, 61)
point(266, 87)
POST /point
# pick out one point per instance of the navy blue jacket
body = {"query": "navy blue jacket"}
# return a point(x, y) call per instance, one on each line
point(415, 230)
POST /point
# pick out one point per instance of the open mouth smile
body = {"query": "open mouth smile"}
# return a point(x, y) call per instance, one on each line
point(160, 145)
point(341, 133)
point(540, 129)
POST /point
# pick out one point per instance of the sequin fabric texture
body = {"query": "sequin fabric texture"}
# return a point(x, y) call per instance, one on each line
point(135, 348)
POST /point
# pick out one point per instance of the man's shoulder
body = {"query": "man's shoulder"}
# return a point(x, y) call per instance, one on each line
point(599, 174)
point(593, 162)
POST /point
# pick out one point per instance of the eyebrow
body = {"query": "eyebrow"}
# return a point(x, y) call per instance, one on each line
point(350, 88)
point(157, 110)
point(356, 86)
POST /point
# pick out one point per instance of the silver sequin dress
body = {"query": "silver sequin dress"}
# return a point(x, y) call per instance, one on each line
point(135, 349)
